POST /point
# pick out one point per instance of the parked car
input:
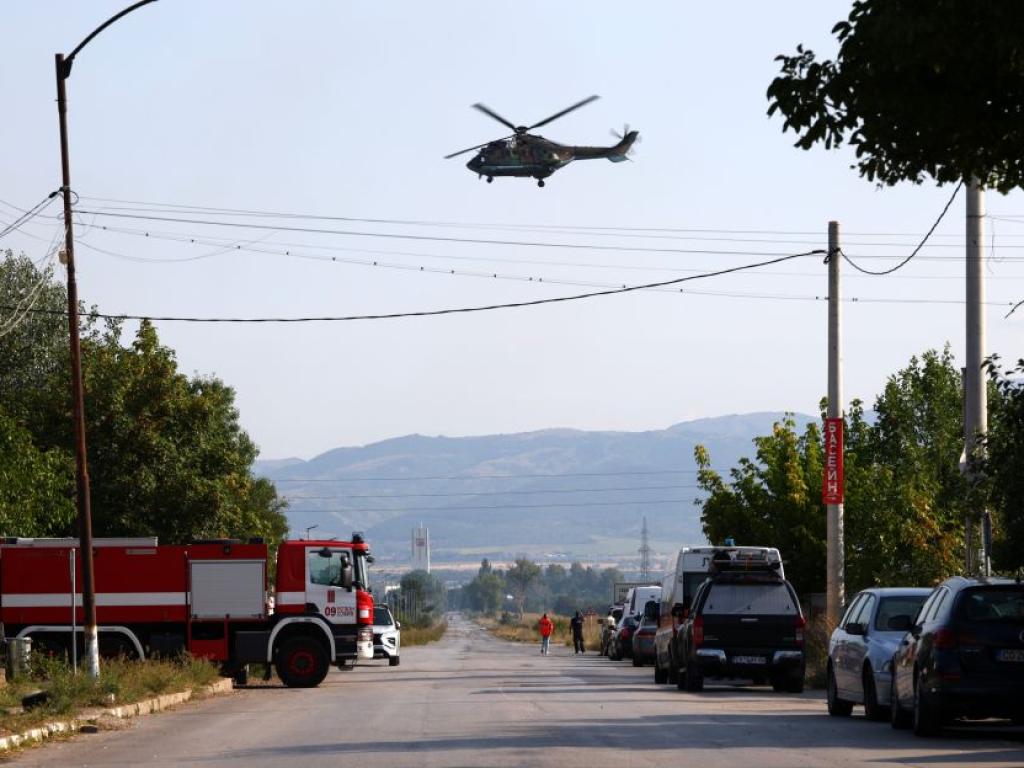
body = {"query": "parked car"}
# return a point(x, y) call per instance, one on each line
point(387, 635)
point(643, 637)
point(622, 638)
point(745, 624)
point(860, 650)
point(678, 588)
point(963, 656)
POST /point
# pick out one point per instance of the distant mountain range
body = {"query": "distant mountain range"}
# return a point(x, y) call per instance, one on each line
point(553, 494)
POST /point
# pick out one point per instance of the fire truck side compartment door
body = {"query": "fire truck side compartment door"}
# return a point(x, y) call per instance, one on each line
point(227, 589)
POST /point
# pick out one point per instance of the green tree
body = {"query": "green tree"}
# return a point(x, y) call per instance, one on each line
point(520, 577)
point(1004, 467)
point(917, 89)
point(772, 501)
point(167, 456)
point(421, 597)
point(905, 498)
point(33, 337)
point(35, 486)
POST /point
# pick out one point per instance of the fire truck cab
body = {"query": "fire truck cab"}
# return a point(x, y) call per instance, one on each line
point(208, 598)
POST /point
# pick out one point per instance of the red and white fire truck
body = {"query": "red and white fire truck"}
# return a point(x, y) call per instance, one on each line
point(208, 598)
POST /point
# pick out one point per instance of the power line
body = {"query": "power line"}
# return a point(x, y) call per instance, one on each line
point(228, 246)
point(428, 238)
point(29, 214)
point(489, 493)
point(597, 230)
point(915, 251)
point(459, 310)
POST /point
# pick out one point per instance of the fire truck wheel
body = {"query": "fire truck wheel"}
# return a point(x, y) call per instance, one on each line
point(301, 662)
point(393, 661)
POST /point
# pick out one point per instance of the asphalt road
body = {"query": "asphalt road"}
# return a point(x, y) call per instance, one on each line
point(472, 700)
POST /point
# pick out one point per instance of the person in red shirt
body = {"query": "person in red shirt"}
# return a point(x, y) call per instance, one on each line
point(546, 627)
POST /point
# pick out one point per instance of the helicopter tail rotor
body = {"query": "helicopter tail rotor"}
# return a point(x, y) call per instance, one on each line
point(624, 149)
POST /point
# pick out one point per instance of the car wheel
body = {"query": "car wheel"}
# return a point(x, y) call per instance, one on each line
point(899, 718)
point(872, 709)
point(693, 679)
point(637, 661)
point(926, 717)
point(393, 661)
point(836, 707)
point(301, 662)
point(795, 684)
point(660, 674)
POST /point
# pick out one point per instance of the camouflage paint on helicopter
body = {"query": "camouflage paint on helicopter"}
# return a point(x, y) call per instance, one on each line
point(529, 155)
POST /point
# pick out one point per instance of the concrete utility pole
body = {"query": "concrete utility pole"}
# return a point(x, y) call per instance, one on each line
point(82, 495)
point(975, 390)
point(835, 589)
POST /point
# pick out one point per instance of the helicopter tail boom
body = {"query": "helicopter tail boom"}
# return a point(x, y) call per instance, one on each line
point(616, 154)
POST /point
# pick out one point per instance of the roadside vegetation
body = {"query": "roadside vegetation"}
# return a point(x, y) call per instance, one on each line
point(527, 587)
point(413, 635)
point(62, 693)
point(168, 455)
point(510, 626)
point(906, 499)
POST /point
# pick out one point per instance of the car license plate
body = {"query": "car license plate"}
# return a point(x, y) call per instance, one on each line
point(749, 660)
point(1010, 655)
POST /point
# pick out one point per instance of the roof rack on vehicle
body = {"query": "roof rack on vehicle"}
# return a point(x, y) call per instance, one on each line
point(744, 560)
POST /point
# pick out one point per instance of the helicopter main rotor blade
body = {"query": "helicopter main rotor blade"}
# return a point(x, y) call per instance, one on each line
point(478, 146)
point(491, 113)
point(564, 112)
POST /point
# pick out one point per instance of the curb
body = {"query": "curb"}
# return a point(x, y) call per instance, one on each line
point(86, 717)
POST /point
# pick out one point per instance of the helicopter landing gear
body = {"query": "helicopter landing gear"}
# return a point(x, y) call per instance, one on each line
point(490, 179)
point(540, 182)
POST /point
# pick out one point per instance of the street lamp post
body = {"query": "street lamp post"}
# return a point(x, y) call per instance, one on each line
point(63, 65)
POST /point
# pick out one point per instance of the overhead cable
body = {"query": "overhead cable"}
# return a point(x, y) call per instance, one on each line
point(29, 214)
point(914, 252)
point(142, 206)
point(458, 310)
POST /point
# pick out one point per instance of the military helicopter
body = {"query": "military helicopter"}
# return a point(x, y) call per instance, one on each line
point(525, 154)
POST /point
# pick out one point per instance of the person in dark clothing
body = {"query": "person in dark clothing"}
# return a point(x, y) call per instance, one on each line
point(576, 625)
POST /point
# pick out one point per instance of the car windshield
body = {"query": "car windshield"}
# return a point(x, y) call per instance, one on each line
point(381, 615)
point(995, 603)
point(749, 599)
point(901, 605)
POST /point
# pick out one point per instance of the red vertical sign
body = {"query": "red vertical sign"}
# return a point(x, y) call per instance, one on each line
point(832, 487)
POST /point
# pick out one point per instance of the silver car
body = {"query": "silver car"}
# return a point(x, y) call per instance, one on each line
point(861, 648)
point(387, 635)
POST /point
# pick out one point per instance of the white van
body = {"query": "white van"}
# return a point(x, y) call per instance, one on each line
point(637, 598)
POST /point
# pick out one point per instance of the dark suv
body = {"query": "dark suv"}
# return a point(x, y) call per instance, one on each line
point(744, 624)
point(963, 656)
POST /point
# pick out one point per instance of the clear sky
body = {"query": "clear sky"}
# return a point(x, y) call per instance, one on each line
point(346, 109)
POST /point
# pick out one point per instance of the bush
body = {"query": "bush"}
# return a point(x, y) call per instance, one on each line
point(816, 637)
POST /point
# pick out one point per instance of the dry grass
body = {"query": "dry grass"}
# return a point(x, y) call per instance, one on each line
point(120, 682)
point(511, 627)
point(423, 635)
